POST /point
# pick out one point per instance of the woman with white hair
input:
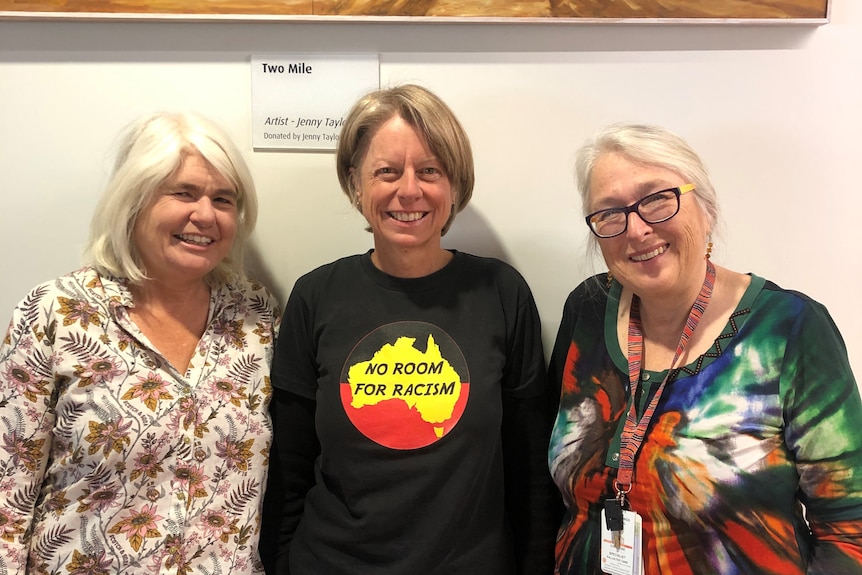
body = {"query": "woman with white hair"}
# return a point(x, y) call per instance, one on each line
point(708, 419)
point(134, 391)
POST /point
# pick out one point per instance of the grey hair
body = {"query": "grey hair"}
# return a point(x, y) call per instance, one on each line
point(653, 146)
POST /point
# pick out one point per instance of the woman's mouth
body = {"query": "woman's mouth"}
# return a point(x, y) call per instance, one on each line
point(649, 255)
point(194, 239)
point(406, 216)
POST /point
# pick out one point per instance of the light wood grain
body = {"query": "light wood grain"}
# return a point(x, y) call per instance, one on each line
point(589, 9)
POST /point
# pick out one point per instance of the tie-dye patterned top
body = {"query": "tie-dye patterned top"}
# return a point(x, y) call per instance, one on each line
point(113, 461)
point(752, 462)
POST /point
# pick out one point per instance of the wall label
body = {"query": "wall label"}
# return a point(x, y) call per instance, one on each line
point(299, 101)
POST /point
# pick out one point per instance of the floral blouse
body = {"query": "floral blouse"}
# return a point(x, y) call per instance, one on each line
point(111, 460)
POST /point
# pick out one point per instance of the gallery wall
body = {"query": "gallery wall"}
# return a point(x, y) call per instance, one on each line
point(774, 110)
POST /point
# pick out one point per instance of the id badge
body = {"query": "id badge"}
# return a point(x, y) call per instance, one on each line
point(627, 558)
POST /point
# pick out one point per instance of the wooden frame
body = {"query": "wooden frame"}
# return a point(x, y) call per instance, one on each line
point(557, 11)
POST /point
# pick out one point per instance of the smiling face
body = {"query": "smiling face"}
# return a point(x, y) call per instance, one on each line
point(189, 224)
point(403, 191)
point(653, 260)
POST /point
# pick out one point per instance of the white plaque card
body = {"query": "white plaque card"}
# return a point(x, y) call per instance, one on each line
point(299, 100)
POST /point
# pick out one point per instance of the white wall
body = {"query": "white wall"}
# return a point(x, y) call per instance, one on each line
point(774, 110)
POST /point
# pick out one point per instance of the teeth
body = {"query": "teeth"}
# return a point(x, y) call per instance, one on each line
point(650, 255)
point(192, 239)
point(406, 216)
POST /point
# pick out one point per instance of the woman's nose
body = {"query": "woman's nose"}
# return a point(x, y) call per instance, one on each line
point(203, 214)
point(637, 225)
point(409, 188)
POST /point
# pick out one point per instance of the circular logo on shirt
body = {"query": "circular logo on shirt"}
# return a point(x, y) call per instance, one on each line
point(405, 385)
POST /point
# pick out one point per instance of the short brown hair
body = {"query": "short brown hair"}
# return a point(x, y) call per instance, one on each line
point(429, 115)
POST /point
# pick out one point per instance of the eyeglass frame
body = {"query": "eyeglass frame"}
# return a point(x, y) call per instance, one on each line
point(678, 191)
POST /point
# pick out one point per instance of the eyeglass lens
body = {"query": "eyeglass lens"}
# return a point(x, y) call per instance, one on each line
point(653, 209)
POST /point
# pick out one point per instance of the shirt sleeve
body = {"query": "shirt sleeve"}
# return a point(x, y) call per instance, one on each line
point(533, 504)
point(291, 474)
point(294, 366)
point(823, 413)
point(525, 357)
point(295, 445)
point(562, 344)
point(27, 402)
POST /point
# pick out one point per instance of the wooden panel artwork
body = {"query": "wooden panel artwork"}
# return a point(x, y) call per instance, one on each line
point(532, 9)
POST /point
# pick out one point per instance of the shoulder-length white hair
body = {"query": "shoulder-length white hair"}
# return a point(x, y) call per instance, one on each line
point(151, 150)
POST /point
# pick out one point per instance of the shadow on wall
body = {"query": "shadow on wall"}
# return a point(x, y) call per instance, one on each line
point(471, 233)
point(258, 271)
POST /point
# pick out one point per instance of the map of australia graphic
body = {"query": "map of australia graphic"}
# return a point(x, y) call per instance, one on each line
point(403, 397)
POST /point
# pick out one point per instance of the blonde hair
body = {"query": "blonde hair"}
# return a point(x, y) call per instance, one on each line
point(151, 149)
point(429, 115)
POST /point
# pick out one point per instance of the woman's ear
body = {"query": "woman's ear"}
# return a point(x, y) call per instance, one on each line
point(355, 194)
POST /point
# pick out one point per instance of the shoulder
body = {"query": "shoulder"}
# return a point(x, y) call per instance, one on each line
point(592, 291)
point(488, 267)
point(793, 315)
point(248, 286)
point(252, 292)
point(480, 274)
point(792, 305)
point(777, 296)
point(335, 276)
point(83, 283)
point(348, 264)
point(78, 297)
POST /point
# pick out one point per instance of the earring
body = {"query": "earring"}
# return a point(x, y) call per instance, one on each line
point(610, 279)
point(708, 250)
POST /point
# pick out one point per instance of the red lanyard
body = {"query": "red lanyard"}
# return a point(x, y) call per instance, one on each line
point(634, 430)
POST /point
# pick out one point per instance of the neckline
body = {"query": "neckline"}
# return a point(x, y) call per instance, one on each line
point(620, 359)
point(432, 281)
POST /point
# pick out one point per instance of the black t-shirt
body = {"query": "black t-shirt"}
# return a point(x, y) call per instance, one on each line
point(416, 385)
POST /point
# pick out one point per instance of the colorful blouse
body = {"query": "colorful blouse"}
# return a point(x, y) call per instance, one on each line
point(752, 462)
point(111, 460)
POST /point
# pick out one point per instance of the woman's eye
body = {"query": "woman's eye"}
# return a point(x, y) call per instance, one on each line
point(607, 216)
point(657, 198)
point(388, 174)
point(430, 173)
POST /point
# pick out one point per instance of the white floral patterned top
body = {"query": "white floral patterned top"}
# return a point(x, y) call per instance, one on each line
point(111, 461)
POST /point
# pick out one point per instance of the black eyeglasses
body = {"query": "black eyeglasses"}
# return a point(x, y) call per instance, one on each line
point(655, 208)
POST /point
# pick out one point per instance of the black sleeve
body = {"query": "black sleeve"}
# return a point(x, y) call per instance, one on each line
point(291, 474)
point(563, 341)
point(533, 504)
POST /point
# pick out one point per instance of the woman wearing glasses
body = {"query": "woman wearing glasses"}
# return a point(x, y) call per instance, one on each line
point(700, 408)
